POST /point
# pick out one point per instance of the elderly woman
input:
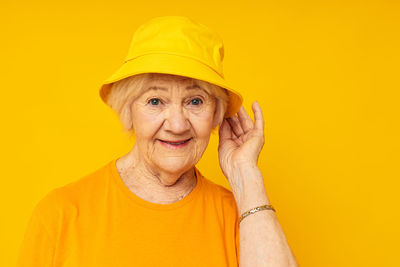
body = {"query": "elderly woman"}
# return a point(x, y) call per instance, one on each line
point(152, 206)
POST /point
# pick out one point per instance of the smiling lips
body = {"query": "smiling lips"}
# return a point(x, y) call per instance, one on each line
point(175, 144)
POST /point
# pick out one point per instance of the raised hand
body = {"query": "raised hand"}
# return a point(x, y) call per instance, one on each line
point(241, 140)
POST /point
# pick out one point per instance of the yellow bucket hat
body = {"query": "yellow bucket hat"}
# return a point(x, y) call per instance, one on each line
point(176, 45)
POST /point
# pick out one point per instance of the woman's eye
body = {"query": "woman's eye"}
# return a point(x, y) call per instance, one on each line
point(154, 101)
point(196, 101)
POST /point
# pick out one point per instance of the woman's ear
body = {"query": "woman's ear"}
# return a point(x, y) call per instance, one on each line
point(218, 115)
point(126, 118)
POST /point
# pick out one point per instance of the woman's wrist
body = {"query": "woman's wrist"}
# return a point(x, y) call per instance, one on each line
point(247, 186)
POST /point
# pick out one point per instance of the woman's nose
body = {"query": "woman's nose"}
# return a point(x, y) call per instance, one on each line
point(177, 120)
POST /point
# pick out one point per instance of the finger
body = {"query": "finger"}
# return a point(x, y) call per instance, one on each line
point(225, 131)
point(235, 125)
point(258, 117)
point(232, 132)
point(234, 136)
point(245, 120)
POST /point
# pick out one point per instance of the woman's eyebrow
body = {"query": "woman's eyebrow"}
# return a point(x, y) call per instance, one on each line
point(196, 86)
point(190, 87)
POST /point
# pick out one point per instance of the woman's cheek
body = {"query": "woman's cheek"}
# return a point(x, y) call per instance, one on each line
point(148, 123)
point(205, 114)
point(206, 121)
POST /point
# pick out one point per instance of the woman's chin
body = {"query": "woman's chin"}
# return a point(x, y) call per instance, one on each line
point(174, 167)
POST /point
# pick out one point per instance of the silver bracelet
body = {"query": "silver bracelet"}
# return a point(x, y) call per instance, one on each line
point(254, 210)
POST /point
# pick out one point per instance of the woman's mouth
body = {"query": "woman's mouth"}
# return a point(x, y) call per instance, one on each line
point(175, 144)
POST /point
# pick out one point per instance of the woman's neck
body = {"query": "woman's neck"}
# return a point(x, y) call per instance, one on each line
point(154, 185)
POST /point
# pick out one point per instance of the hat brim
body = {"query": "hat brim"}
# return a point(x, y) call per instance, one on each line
point(177, 65)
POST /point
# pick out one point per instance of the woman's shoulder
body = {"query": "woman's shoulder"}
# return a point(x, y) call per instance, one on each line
point(76, 191)
point(219, 192)
point(214, 187)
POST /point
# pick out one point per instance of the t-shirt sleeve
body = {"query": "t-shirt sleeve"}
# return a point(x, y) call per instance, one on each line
point(37, 247)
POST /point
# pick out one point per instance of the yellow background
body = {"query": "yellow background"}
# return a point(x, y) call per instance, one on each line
point(326, 74)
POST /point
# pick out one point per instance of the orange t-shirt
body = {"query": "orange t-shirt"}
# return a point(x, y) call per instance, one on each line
point(98, 221)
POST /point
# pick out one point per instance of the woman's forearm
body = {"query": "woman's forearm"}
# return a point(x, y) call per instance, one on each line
point(262, 241)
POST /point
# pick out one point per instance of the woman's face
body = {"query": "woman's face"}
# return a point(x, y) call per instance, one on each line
point(172, 121)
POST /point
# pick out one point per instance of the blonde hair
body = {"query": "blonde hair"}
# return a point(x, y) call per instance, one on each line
point(124, 92)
